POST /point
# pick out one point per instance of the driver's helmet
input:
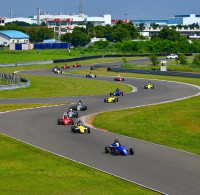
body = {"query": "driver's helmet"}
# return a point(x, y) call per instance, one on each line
point(80, 102)
point(65, 115)
point(80, 123)
point(70, 109)
point(117, 89)
point(117, 144)
point(149, 83)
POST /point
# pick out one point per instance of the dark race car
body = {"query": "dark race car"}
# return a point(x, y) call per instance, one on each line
point(65, 120)
point(90, 75)
point(117, 93)
point(79, 107)
point(77, 65)
point(149, 86)
point(117, 149)
point(66, 66)
point(118, 78)
point(80, 128)
point(72, 114)
point(111, 99)
point(56, 70)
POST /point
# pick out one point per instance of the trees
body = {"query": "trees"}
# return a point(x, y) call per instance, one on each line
point(38, 35)
point(182, 59)
point(154, 59)
point(196, 60)
point(169, 34)
point(80, 38)
point(66, 37)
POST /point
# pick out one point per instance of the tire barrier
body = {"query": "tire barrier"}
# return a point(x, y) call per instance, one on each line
point(155, 72)
point(13, 81)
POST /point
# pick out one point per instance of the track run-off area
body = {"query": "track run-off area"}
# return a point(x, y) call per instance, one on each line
point(163, 169)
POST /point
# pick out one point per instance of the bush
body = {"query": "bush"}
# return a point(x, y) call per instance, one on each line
point(182, 59)
point(154, 59)
point(196, 60)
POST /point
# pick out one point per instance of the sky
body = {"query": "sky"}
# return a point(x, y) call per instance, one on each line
point(119, 9)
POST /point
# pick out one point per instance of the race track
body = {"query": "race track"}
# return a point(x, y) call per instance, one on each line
point(163, 169)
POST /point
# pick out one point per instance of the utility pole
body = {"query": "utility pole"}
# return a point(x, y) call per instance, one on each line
point(80, 10)
point(38, 16)
point(11, 13)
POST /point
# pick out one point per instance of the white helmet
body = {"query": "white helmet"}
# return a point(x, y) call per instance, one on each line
point(117, 144)
point(70, 109)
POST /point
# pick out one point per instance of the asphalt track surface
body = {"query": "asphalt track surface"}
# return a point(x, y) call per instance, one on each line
point(163, 169)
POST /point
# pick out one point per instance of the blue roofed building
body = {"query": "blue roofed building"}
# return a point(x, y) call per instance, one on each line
point(12, 36)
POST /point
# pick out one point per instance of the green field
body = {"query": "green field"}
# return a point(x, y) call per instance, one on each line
point(28, 170)
point(52, 86)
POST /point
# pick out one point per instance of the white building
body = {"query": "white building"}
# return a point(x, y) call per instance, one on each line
point(12, 36)
point(62, 24)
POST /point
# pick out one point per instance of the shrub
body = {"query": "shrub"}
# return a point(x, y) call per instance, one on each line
point(196, 60)
point(182, 59)
point(154, 59)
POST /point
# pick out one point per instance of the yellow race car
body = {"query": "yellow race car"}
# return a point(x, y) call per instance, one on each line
point(80, 128)
point(111, 99)
point(149, 86)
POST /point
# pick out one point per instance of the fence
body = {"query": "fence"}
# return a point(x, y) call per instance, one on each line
point(155, 72)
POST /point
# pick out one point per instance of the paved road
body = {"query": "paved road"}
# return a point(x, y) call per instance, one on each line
point(164, 169)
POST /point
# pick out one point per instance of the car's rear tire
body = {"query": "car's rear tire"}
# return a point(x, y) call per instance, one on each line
point(115, 152)
point(104, 100)
point(88, 130)
point(58, 121)
point(106, 149)
point(131, 151)
point(122, 93)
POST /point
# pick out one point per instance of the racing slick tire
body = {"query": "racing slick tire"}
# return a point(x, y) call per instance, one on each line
point(76, 115)
point(85, 107)
point(115, 152)
point(86, 75)
point(117, 99)
point(72, 128)
point(88, 130)
point(122, 93)
point(123, 79)
point(72, 122)
point(104, 100)
point(106, 149)
point(95, 76)
point(58, 121)
point(131, 151)
point(152, 86)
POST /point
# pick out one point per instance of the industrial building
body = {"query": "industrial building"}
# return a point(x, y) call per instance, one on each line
point(12, 36)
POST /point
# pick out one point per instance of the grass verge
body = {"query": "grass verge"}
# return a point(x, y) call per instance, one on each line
point(173, 124)
point(53, 86)
point(28, 170)
point(8, 107)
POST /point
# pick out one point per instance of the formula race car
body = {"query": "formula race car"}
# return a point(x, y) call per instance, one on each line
point(117, 93)
point(79, 107)
point(65, 120)
point(90, 75)
point(57, 70)
point(66, 66)
point(72, 114)
point(111, 99)
point(149, 86)
point(80, 128)
point(116, 148)
point(77, 65)
point(118, 78)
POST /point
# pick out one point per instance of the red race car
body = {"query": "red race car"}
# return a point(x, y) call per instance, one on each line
point(65, 120)
point(66, 66)
point(77, 65)
point(118, 78)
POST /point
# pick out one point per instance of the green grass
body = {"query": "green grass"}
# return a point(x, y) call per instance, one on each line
point(7, 56)
point(52, 86)
point(8, 107)
point(28, 170)
point(173, 124)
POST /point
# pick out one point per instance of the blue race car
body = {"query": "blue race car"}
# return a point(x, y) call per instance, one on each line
point(117, 93)
point(116, 148)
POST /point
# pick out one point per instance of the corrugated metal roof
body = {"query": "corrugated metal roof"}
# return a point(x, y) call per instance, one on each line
point(14, 34)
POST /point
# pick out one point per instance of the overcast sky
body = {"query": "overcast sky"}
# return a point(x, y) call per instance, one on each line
point(119, 9)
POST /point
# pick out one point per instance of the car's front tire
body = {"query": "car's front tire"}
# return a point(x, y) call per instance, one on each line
point(131, 151)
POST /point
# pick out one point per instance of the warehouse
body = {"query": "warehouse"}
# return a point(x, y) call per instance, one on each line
point(12, 36)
